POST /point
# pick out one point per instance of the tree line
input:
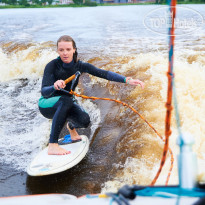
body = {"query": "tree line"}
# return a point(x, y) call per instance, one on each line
point(27, 3)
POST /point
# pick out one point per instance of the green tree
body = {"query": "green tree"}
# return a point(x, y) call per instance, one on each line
point(36, 2)
point(12, 2)
point(90, 3)
point(5, 1)
point(23, 2)
point(43, 2)
point(78, 2)
point(50, 2)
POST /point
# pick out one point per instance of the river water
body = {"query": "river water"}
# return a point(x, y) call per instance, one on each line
point(130, 40)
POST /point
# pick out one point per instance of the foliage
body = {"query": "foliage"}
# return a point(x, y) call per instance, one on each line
point(43, 2)
point(50, 2)
point(24, 3)
point(78, 2)
point(10, 2)
point(90, 3)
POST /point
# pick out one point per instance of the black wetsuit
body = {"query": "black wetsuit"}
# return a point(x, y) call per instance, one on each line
point(60, 106)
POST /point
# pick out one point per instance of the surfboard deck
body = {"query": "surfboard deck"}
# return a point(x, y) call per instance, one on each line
point(44, 164)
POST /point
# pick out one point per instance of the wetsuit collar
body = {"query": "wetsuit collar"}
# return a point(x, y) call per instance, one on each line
point(68, 65)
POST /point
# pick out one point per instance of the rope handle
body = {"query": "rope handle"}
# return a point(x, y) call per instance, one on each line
point(70, 79)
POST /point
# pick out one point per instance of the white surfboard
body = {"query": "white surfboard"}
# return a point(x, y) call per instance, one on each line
point(44, 164)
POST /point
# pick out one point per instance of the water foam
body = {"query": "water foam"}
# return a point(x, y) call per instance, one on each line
point(20, 61)
point(23, 130)
point(190, 81)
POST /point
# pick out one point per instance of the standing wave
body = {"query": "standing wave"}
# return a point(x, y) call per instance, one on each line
point(123, 148)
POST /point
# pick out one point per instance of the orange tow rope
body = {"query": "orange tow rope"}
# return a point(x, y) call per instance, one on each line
point(170, 76)
point(134, 110)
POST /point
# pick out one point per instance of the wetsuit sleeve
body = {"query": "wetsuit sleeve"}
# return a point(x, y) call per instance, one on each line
point(47, 91)
point(116, 77)
point(108, 75)
point(48, 81)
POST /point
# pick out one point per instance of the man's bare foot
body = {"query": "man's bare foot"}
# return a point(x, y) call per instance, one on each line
point(55, 149)
point(73, 133)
